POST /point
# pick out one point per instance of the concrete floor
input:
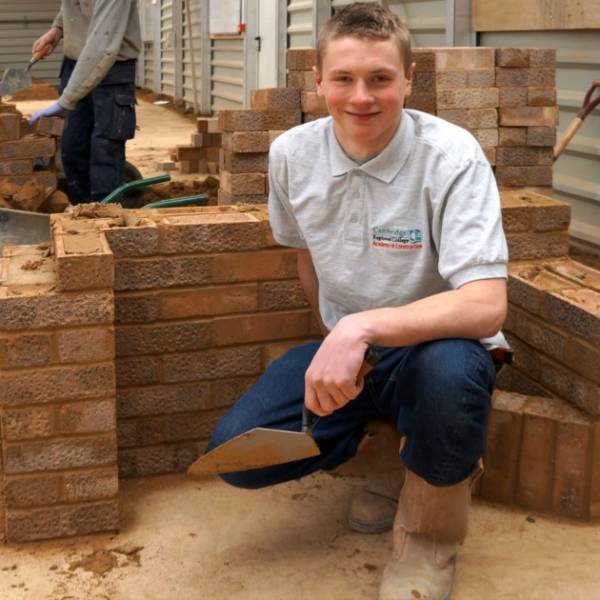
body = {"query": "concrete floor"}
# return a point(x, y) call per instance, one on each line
point(190, 540)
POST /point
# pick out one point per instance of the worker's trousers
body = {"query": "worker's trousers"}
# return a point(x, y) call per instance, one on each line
point(93, 143)
point(437, 393)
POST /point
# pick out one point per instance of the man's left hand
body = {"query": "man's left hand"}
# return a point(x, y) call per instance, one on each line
point(54, 110)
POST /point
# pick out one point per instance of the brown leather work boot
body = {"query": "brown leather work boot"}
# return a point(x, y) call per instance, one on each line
point(373, 506)
point(429, 528)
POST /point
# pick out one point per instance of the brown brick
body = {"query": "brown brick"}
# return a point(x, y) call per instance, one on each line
point(510, 77)
point(541, 136)
point(512, 57)
point(206, 139)
point(68, 453)
point(93, 416)
point(301, 59)
point(576, 272)
point(260, 327)
point(42, 179)
point(237, 184)
point(50, 126)
point(137, 371)
point(474, 118)
point(86, 345)
point(62, 521)
point(595, 470)
point(308, 117)
point(39, 490)
point(136, 308)
point(502, 451)
point(84, 271)
point(10, 127)
point(424, 59)
point(246, 141)
point(464, 58)
point(541, 96)
point(468, 98)
point(163, 400)
point(542, 77)
point(27, 350)
point(224, 392)
point(424, 102)
point(27, 147)
point(212, 364)
point(515, 381)
point(522, 116)
point(16, 167)
point(529, 246)
point(542, 57)
point(312, 102)
point(162, 337)
point(303, 80)
point(521, 156)
point(481, 78)
point(225, 199)
point(512, 136)
point(254, 266)
point(490, 154)
point(235, 162)
point(583, 358)
point(241, 120)
point(57, 383)
point(208, 301)
point(516, 219)
point(551, 218)
point(443, 80)
point(159, 273)
point(281, 119)
point(90, 485)
point(207, 125)
point(281, 295)
point(488, 138)
point(524, 176)
point(527, 283)
point(513, 96)
point(154, 460)
point(133, 241)
point(190, 153)
point(275, 98)
point(28, 423)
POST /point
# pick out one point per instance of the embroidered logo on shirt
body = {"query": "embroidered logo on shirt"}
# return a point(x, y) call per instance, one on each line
point(399, 239)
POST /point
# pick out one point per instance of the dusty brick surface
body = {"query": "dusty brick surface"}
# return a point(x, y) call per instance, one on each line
point(246, 141)
point(93, 416)
point(240, 184)
point(235, 162)
point(225, 199)
point(16, 167)
point(27, 350)
point(132, 241)
point(10, 127)
point(138, 371)
point(135, 308)
point(512, 57)
point(525, 116)
point(262, 265)
point(301, 59)
point(85, 345)
point(275, 98)
point(154, 460)
point(281, 295)
point(37, 490)
point(468, 98)
point(49, 126)
point(27, 148)
point(90, 485)
point(513, 176)
point(303, 80)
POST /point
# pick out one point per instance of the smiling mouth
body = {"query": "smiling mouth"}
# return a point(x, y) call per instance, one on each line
point(353, 114)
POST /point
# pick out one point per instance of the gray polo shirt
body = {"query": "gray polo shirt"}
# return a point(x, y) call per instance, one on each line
point(421, 217)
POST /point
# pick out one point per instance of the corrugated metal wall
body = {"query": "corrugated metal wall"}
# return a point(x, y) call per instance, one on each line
point(227, 72)
point(167, 48)
point(21, 23)
point(191, 45)
point(577, 171)
point(300, 24)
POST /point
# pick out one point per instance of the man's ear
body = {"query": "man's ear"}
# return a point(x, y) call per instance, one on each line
point(318, 80)
point(409, 79)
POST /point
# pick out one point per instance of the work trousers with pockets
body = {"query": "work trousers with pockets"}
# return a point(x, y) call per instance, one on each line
point(437, 393)
point(93, 143)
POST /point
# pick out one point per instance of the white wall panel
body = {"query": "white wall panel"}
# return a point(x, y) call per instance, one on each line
point(227, 72)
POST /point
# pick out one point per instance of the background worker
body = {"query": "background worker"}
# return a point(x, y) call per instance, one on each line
point(97, 91)
point(396, 217)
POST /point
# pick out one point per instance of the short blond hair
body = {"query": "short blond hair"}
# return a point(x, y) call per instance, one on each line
point(365, 20)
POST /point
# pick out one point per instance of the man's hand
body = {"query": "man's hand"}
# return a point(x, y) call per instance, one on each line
point(44, 46)
point(331, 379)
point(54, 110)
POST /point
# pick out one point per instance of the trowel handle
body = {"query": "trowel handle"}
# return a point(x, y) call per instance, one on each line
point(307, 419)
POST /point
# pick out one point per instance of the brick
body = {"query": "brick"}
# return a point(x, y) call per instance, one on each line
point(25, 492)
point(490, 154)
point(508, 77)
point(541, 136)
point(244, 162)
point(190, 153)
point(162, 337)
point(468, 98)
point(137, 371)
point(512, 57)
point(90, 485)
point(41, 179)
point(524, 176)
point(57, 202)
point(57, 383)
point(583, 359)
point(207, 125)
point(595, 471)
point(28, 423)
point(10, 127)
point(516, 219)
point(163, 400)
point(237, 184)
point(576, 272)
point(136, 308)
point(464, 58)
point(281, 119)
point(275, 98)
point(542, 77)
point(312, 102)
point(481, 78)
point(56, 310)
point(133, 241)
point(208, 301)
point(165, 165)
point(515, 381)
point(27, 148)
point(85, 345)
point(542, 57)
point(241, 120)
point(27, 350)
point(93, 416)
point(303, 80)
point(224, 199)
point(206, 139)
point(301, 59)
point(49, 126)
point(551, 218)
point(260, 327)
point(530, 246)
point(212, 364)
point(193, 166)
point(17, 167)
point(541, 96)
point(225, 392)
point(486, 137)
point(424, 102)
point(159, 273)
point(512, 136)
point(524, 155)
point(443, 80)
point(62, 521)
point(502, 451)
point(56, 454)
point(281, 295)
point(525, 116)
point(246, 141)
point(513, 96)
point(424, 59)
point(254, 266)
point(154, 460)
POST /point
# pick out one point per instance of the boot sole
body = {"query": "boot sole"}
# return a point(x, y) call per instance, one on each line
point(362, 527)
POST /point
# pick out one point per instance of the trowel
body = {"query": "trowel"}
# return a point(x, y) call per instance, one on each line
point(14, 80)
point(263, 447)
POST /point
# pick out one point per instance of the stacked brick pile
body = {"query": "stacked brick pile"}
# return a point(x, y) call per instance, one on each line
point(300, 75)
point(246, 137)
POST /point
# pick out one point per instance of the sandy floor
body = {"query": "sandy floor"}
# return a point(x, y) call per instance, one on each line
point(190, 540)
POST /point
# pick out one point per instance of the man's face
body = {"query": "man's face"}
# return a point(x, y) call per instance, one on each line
point(364, 85)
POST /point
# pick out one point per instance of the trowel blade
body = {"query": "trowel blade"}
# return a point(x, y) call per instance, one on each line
point(259, 447)
point(14, 80)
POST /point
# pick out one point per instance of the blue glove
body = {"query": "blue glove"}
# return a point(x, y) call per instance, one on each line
point(54, 110)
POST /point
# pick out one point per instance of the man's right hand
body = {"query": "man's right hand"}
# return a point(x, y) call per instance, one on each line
point(44, 46)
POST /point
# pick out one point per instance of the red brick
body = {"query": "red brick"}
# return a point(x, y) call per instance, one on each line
point(50, 126)
point(281, 295)
point(28, 423)
point(10, 127)
point(468, 98)
point(27, 350)
point(301, 59)
point(275, 98)
point(235, 162)
point(521, 156)
point(512, 57)
point(303, 80)
point(538, 116)
point(27, 147)
point(254, 266)
point(541, 136)
point(208, 301)
point(524, 176)
point(246, 141)
point(90, 485)
point(17, 167)
point(238, 184)
point(38, 490)
point(86, 345)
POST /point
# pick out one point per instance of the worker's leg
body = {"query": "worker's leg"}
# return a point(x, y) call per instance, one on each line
point(75, 141)
point(114, 124)
point(275, 401)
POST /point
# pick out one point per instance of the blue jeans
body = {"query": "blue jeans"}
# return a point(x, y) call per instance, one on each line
point(438, 394)
point(93, 143)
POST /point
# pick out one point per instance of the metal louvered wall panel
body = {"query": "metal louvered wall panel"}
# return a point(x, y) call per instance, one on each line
point(577, 171)
point(227, 72)
point(300, 24)
point(167, 48)
point(21, 23)
point(426, 20)
point(192, 38)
